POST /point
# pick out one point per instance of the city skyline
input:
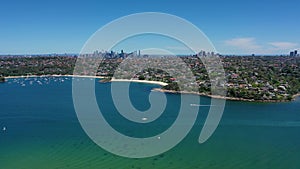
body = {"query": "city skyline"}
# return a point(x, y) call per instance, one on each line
point(234, 27)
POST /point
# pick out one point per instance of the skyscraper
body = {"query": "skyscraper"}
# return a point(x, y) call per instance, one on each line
point(294, 53)
point(291, 53)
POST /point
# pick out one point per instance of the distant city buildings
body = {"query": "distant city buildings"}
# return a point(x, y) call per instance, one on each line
point(203, 53)
point(294, 53)
point(114, 55)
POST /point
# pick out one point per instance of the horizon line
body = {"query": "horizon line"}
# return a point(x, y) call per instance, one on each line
point(151, 54)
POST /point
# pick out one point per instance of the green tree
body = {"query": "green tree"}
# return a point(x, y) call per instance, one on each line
point(2, 79)
point(142, 77)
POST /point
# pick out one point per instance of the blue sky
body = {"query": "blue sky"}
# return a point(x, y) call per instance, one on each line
point(233, 26)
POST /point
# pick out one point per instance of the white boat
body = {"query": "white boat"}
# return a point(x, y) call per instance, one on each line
point(195, 105)
point(199, 105)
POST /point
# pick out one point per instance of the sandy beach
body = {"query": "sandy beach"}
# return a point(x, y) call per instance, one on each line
point(86, 76)
point(140, 81)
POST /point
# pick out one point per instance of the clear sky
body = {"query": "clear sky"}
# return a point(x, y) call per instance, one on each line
point(233, 26)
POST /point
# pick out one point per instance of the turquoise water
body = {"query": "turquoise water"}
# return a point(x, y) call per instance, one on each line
point(42, 131)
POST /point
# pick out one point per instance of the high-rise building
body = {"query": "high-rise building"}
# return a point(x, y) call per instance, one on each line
point(122, 55)
point(202, 53)
point(292, 54)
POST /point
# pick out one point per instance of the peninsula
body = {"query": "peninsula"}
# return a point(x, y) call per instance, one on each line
point(248, 78)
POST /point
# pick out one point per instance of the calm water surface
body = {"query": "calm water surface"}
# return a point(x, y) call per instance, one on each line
point(39, 129)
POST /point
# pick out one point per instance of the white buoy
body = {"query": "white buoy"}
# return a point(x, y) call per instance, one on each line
point(158, 138)
point(144, 119)
point(4, 129)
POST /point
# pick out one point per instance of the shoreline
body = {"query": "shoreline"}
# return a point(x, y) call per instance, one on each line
point(140, 81)
point(95, 77)
point(160, 89)
point(296, 95)
point(225, 97)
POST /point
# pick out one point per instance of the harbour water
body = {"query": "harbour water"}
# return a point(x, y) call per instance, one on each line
point(40, 129)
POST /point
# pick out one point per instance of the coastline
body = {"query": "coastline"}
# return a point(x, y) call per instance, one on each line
point(296, 95)
point(224, 97)
point(160, 89)
point(140, 81)
point(95, 77)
